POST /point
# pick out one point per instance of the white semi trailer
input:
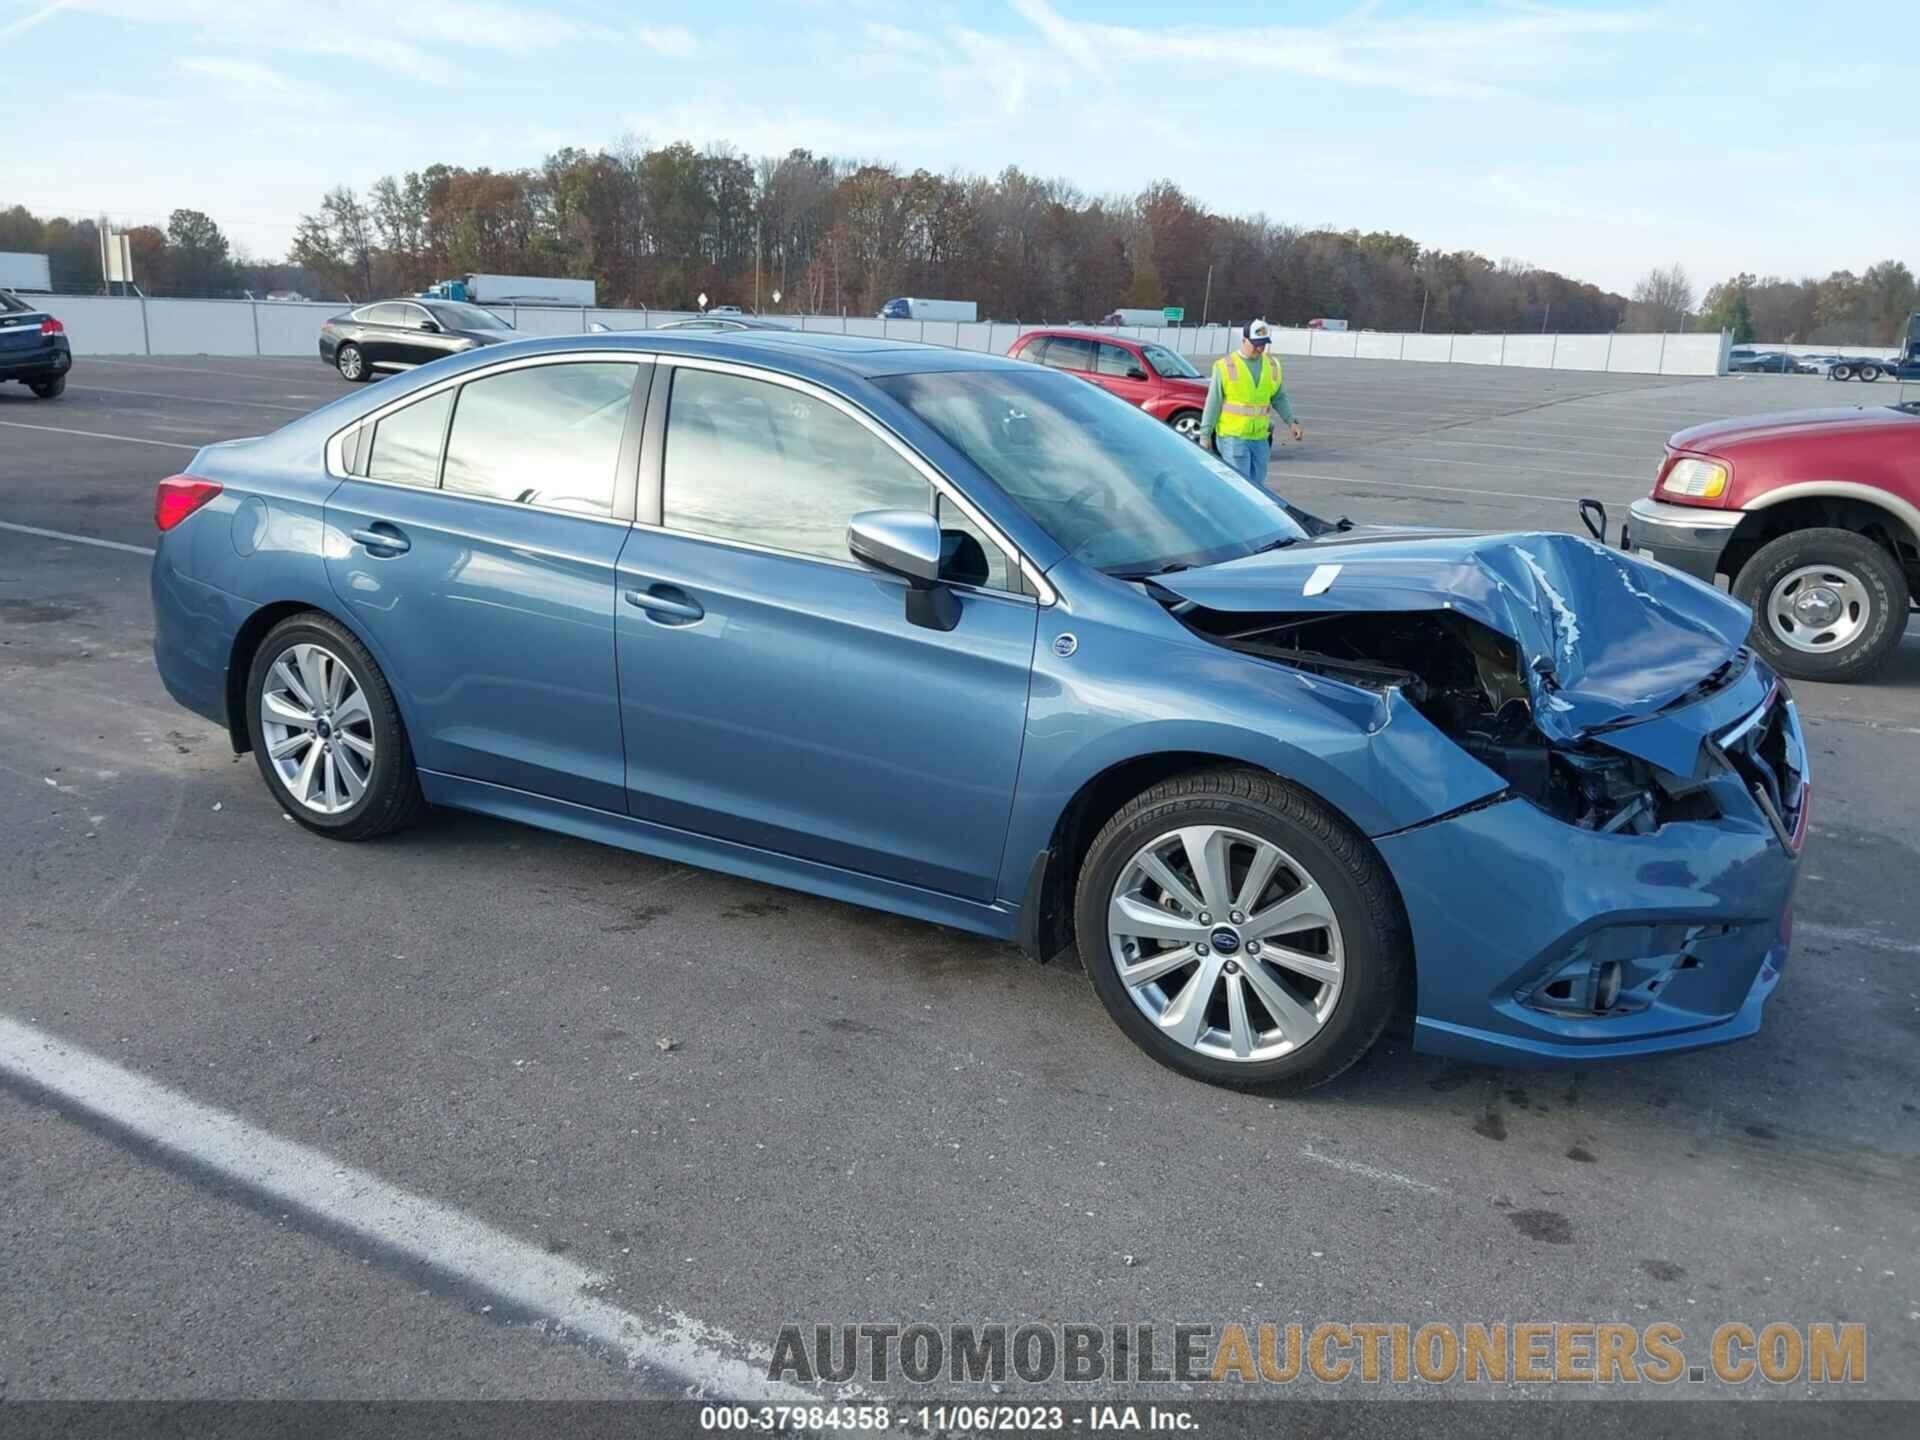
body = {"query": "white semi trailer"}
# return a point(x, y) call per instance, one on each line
point(905, 307)
point(21, 271)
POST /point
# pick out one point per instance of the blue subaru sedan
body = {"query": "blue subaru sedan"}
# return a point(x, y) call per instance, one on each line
point(969, 640)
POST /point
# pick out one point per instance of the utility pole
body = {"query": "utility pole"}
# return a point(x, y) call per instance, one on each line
point(756, 267)
point(1423, 309)
point(1207, 303)
point(1546, 317)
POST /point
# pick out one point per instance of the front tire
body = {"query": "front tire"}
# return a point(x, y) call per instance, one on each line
point(352, 364)
point(326, 733)
point(49, 389)
point(1828, 604)
point(1294, 977)
point(1186, 424)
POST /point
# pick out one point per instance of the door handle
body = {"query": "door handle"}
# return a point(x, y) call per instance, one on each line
point(382, 536)
point(667, 604)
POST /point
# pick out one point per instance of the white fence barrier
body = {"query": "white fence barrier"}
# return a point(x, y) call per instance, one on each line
point(112, 325)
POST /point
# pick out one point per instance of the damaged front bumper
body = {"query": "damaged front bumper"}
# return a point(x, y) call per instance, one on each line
point(1539, 942)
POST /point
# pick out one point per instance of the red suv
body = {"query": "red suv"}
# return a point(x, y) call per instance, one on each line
point(1151, 376)
point(1814, 518)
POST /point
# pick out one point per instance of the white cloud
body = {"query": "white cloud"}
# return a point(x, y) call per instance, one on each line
point(1439, 59)
point(757, 132)
point(252, 83)
point(32, 18)
point(674, 40)
point(411, 36)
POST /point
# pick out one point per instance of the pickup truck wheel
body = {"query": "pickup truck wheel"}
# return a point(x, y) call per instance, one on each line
point(1240, 932)
point(1828, 604)
point(1840, 372)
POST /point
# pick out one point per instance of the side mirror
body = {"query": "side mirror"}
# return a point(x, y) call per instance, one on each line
point(599, 327)
point(1134, 372)
point(430, 327)
point(906, 543)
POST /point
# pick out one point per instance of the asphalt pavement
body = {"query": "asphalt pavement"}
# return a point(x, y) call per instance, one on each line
point(737, 1107)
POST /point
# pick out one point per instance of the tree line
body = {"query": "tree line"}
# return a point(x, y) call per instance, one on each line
point(190, 255)
point(658, 227)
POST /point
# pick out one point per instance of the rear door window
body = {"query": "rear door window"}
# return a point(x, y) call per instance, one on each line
point(545, 435)
point(407, 444)
point(1069, 352)
point(385, 314)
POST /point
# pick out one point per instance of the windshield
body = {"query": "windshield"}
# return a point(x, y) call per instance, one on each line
point(1166, 363)
point(1114, 486)
point(466, 317)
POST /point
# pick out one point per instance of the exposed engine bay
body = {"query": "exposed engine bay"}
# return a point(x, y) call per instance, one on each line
point(1466, 679)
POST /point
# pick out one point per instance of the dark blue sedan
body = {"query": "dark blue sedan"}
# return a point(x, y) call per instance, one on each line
point(973, 641)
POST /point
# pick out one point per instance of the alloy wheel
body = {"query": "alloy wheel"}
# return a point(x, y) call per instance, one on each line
point(1187, 427)
point(351, 362)
point(1818, 609)
point(1226, 943)
point(317, 728)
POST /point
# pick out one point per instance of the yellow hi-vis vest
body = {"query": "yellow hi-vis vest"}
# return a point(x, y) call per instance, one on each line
point(1247, 396)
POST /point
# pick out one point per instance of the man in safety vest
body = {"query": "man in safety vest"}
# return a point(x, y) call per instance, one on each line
point(1241, 396)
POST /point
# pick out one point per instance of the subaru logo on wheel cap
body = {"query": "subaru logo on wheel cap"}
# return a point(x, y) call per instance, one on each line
point(1226, 941)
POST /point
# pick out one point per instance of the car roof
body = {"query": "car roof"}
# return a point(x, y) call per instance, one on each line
point(807, 354)
point(1082, 333)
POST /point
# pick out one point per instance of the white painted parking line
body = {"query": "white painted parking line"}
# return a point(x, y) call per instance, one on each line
point(1369, 1172)
point(75, 539)
point(555, 1293)
point(193, 399)
point(97, 435)
point(1484, 465)
point(270, 376)
point(1495, 445)
point(1281, 471)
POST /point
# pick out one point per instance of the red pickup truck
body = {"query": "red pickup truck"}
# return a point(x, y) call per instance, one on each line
point(1814, 518)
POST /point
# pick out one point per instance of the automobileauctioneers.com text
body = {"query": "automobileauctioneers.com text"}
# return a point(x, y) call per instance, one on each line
point(1328, 1353)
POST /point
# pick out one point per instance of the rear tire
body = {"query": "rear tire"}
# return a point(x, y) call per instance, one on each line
point(1840, 372)
point(1869, 373)
point(1282, 1004)
point(352, 364)
point(1857, 598)
point(329, 674)
point(51, 389)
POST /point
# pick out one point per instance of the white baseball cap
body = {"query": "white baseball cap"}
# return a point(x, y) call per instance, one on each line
point(1259, 332)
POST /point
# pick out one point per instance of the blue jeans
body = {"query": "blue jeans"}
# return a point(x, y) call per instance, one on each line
point(1249, 457)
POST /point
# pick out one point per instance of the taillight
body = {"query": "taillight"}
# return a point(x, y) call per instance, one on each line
point(51, 326)
point(178, 497)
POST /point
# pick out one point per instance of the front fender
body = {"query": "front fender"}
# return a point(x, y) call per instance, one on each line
point(1122, 695)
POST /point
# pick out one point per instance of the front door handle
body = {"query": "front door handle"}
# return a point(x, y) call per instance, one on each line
point(668, 604)
point(381, 536)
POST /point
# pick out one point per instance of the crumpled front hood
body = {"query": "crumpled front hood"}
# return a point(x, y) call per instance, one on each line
point(1604, 638)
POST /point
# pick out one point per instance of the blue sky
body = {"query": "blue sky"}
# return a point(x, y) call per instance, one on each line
point(1595, 138)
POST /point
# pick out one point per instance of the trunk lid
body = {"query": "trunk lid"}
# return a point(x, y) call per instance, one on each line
point(20, 329)
point(1605, 640)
